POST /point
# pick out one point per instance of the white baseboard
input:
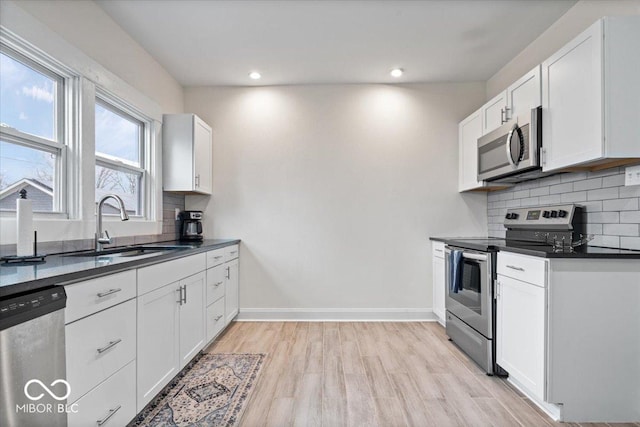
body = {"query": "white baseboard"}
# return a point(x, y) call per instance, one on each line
point(338, 314)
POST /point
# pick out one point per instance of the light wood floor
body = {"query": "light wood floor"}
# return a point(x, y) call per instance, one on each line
point(371, 374)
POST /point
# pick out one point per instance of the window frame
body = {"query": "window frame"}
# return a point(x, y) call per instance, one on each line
point(63, 111)
point(121, 108)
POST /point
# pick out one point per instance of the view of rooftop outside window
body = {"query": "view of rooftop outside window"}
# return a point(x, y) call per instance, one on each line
point(31, 124)
point(119, 157)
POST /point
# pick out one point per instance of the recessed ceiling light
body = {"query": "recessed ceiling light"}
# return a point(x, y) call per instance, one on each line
point(254, 75)
point(397, 72)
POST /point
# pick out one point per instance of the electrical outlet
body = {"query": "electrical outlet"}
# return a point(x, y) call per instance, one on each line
point(177, 214)
point(632, 175)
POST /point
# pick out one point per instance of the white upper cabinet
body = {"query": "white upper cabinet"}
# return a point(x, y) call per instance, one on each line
point(524, 94)
point(591, 97)
point(187, 154)
point(469, 130)
point(494, 113)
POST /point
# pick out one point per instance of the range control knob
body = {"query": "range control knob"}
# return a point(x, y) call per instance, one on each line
point(546, 214)
point(507, 216)
point(514, 216)
point(562, 213)
point(554, 214)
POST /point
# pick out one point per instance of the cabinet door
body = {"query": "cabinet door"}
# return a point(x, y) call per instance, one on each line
point(520, 334)
point(192, 317)
point(493, 113)
point(158, 339)
point(524, 94)
point(231, 290)
point(438, 289)
point(469, 130)
point(572, 102)
point(202, 157)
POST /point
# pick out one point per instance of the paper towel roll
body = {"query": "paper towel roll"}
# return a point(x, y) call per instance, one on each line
point(24, 224)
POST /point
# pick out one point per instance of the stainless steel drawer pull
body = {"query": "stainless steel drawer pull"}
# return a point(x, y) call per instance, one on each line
point(109, 415)
point(108, 346)
point(515, 268)
point(217, 257)
point(218, 284)
point(228, 273)
point(218, 318)
point(233, 252)
point(109, 292)
point(439, 250)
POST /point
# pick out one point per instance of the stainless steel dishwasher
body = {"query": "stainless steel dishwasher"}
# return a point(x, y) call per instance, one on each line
point(33, 388)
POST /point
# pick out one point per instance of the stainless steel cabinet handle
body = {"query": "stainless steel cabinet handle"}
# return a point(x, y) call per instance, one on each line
point(185, 293)
point(108, 346)
point(218, 284)
point(228, 272)
point(502, 115)
point(180, 296)
point(109, 415)
point(439, 250)
point(218, 318)
point(497, 290)
point(109, 292)
point(198, 180)
point(515, 268)
point(233, 252)
point(217, 257)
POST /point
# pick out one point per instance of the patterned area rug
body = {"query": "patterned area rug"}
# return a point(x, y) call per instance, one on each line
point(211, 391)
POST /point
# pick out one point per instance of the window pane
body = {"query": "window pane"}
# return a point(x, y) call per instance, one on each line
point(28, 168)
point(117, 136)
point(124, 184)
point(27, 99)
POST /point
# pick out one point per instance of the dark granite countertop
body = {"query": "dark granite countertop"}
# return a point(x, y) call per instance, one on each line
point(538, 250)
point(62, 269)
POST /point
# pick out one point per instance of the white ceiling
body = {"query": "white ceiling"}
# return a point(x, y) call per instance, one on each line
point(309, 42)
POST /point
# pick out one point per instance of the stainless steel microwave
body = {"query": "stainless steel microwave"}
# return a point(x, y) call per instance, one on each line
point(511, 153)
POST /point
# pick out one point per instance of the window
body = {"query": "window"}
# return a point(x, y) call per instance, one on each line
point(32, 133)
point(121, 139)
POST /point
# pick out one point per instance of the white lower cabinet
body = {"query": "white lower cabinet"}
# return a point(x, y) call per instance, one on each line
point(215, 319)
point(439, 286)
point(192, 317)
point(111, 404)
point(520, 333)
point(231, 290)
point(98, 346)
point(158, 341)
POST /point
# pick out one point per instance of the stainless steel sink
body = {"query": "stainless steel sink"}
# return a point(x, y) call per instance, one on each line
point(132, 251)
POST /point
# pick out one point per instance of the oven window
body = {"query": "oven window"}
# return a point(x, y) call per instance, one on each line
point(471, 294)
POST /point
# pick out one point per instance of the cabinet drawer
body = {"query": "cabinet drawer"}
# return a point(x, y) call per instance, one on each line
point(216, 257)
point(98, 346)
point(159, 275)
point(437, 249)
point(215, 319)
point(215, 283)
point(88, 297)
point(231, 252)
point(111, 404)
point(522, 267)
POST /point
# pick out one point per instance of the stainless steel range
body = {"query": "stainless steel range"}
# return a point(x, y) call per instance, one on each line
point(470, 272)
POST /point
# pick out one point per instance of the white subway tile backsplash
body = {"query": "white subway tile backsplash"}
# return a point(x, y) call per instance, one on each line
point(613, 210)
point(553, 199)
point(630, 242)
point(620, 205)
point(621, 229)
point(603, 217)
point(603, 194)
point(613, 180)
point(630, 217)
point(561, 188)
point(576, 196)
point(587, 184)
point(541, 191)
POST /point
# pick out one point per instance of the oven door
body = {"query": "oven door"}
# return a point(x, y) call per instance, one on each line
point(473, 302)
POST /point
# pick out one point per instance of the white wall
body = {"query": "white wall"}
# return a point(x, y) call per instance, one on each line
point(86, 26)
point(335, 189)
point(572, 23)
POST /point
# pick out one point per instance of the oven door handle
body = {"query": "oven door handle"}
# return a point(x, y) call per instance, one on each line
point(469, 255)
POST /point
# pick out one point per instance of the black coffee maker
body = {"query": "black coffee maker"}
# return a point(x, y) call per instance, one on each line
point(191, 227)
